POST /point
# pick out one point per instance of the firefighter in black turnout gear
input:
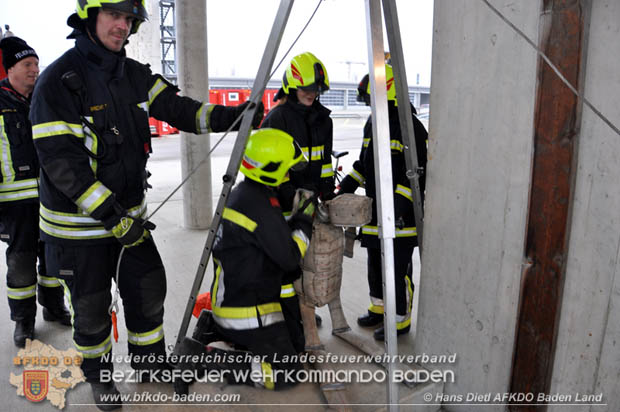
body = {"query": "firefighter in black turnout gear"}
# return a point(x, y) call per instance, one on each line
point(19, 198)
point(255, 247)
point(301, 115)
point(363, 174)
point(90, 114)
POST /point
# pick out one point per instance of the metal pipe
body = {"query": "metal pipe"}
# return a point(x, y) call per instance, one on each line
point(404, 112)
point(383, 183)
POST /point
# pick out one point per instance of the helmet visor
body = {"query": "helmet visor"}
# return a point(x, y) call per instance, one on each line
point(320, 82)
point(134, 8)
point(362, 90)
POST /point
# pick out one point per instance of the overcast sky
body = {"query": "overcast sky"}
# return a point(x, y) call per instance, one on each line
point(238, 30)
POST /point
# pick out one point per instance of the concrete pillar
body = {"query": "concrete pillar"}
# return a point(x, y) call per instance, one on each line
point(477, 186)
point(191, 33)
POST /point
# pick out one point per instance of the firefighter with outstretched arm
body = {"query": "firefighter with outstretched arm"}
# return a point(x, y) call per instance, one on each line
point(90, 116)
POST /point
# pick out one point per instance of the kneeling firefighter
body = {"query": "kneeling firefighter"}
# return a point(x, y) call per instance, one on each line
point(253, 249)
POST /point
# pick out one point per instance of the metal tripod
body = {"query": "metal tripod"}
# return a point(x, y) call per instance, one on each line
point(381, 142)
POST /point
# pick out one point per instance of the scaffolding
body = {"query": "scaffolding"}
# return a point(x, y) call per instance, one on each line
point(168, 40)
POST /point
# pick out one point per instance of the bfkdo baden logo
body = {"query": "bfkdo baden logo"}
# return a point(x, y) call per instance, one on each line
point(36, 385)
point(46, 373)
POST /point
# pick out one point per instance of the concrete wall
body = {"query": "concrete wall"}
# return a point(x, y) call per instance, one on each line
point(144, 46)
point(587, 357)
point(480, 148)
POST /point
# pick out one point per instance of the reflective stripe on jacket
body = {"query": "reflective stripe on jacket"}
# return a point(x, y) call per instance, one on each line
point(253, 251)
point(93, 138)
point(363, 174)
point(19, 166)
point(312, 129)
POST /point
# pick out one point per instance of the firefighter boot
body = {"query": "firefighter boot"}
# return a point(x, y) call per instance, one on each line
point(60, 315)
point(369, 320)
point(379, 333)
point(205, 331)
point(188, 350)
point(184, 351)
point(24, 329)
point(53, 302)
point(106, 396)
point(211, 358)
point(191, 349)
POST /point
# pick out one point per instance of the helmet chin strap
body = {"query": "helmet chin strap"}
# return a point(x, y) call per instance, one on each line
point(292, 95)
point(91, 26)
point(93, 36)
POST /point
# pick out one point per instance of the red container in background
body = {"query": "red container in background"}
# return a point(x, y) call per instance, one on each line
point(153, 125)
point(244, 94)
point(268, 99)
point(234, 97)
point(225, 97)
point(167, 129)
point(159, 128)
point(2, 72)
point(215, 97)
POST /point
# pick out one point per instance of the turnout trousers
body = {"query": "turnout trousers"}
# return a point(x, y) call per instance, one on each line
point(403, 282)
point(19, 223)
point(278, 357)
point(87, 273)
point(292, 314)
point(292, 317)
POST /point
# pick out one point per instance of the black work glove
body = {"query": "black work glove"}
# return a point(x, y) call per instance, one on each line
point(307, 209)
point(304, 216)
point(130, 231)
point(258, 113)
point(329, 196)
point(348, 185)
point(223, 116)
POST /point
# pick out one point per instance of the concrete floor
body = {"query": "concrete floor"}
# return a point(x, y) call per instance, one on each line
point(181, 249)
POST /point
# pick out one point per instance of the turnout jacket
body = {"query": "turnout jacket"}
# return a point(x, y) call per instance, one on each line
point(19, 166)
point(254, 249)
point(90, 116)
point(312, 129)
point(363, 174)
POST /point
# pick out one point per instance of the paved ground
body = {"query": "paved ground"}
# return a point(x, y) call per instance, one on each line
point(181, 249)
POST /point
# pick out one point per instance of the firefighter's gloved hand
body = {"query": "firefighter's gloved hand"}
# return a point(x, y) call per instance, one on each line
point(222, 117)
point(329, 195)
point(308, 208)
point(131, 231)
point(258, 114)
point(304, 207)
point(304, 204)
